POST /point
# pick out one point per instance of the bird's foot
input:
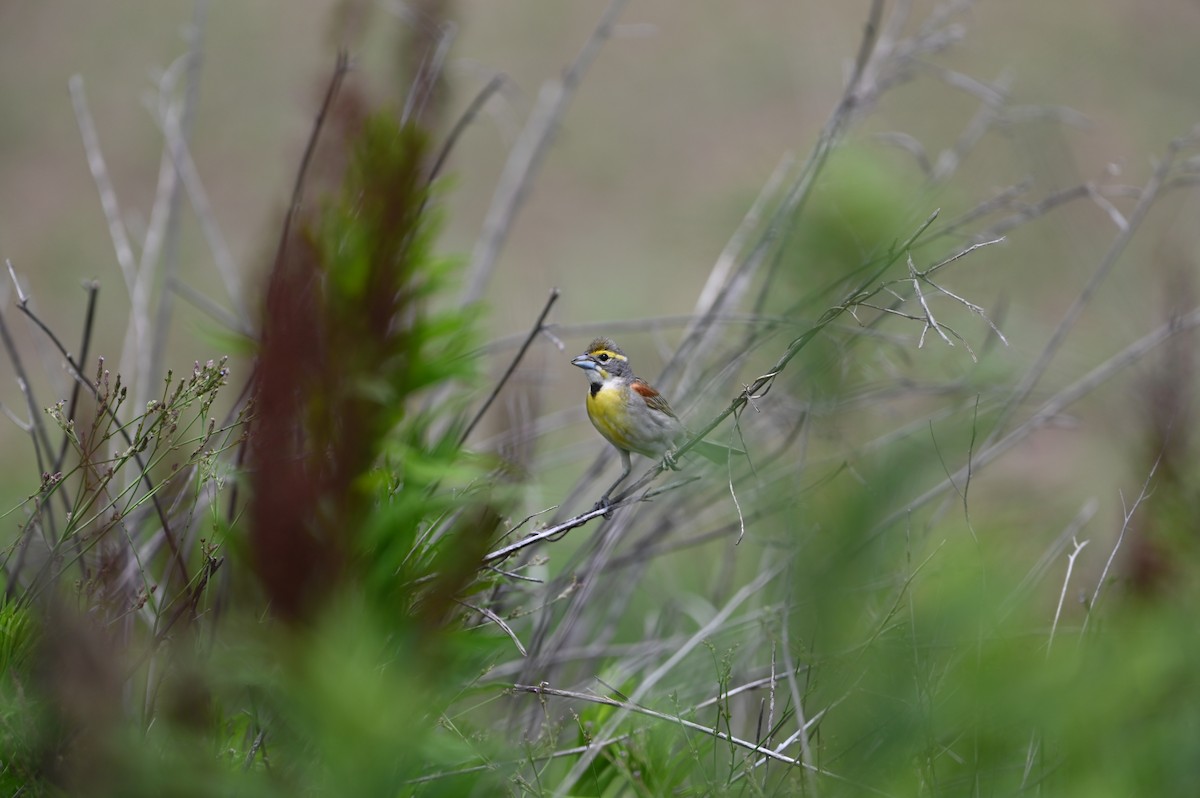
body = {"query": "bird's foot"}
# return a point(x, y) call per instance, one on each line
point(604, 504)
point(670, 461)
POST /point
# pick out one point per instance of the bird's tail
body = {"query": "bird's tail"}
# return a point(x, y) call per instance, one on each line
point(716, 452)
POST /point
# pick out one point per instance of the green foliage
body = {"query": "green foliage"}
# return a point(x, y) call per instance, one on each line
point(352, 692)
point(20, 710)
point(119, 469)
point(350, 706)
point(861, 208)
point(17, 636)
point(404, 363)
point(57, 665)
point(355, 453)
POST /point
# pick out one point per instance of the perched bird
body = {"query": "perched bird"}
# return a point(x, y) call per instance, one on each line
point(631, 415)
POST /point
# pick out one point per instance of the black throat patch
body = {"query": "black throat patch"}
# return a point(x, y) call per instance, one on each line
point(595, 388)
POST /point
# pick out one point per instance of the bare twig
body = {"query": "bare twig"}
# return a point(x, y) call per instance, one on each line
point(424, 84)
point(659, 673)
point(36, 429)
point(513, 575)
point(733, 495)
point(331, 92)
point(1078, 547)
point(562, 752)
point(709, 303)
point(259, 739)
point(1070, 532)
point(89, 318)
point(1149, 196)
point(544, 534)
point(41, 438)
point(1129, 513)
point(138, 350)
point(930, 322)
point(865, 290)
point(526, 520)
point(753, 684)
point(222, 257)
point(213, 310)
point(728, 279)
point(464, 121)
point(176, 119)
point(496, 619)
point(853, 97)
point(533, 333)
point(74, 369)
point(1055, 405)
point(527, 154)
point(633, 707)
point(789, 664)
point(992, 100)
point(108, 196)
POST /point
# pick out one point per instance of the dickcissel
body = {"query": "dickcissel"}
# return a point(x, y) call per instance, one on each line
point(631, 415)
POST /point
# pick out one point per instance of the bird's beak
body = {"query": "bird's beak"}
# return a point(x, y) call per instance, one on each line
point(585, 362)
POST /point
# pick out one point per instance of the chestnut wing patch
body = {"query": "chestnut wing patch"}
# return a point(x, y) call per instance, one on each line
point(653, 398)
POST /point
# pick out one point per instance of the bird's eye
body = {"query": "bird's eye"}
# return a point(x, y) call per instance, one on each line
point(602, 357)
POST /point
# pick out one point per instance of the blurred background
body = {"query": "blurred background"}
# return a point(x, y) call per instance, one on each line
point(1034, 123)
point(682, 118)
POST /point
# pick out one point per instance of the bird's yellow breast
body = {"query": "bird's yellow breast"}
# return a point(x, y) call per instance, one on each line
point(609, 412)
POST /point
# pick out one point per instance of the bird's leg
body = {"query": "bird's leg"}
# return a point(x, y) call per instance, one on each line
point(670, 460)
point(626, 468)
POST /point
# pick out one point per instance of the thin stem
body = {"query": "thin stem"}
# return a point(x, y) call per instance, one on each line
point(89, 319)
point(177, 120)
point(533, 333)
point(1149, 195)
point(76, 372)
point(463, 122)
point(651, 680)
point(526, 156)
point(341, 67)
